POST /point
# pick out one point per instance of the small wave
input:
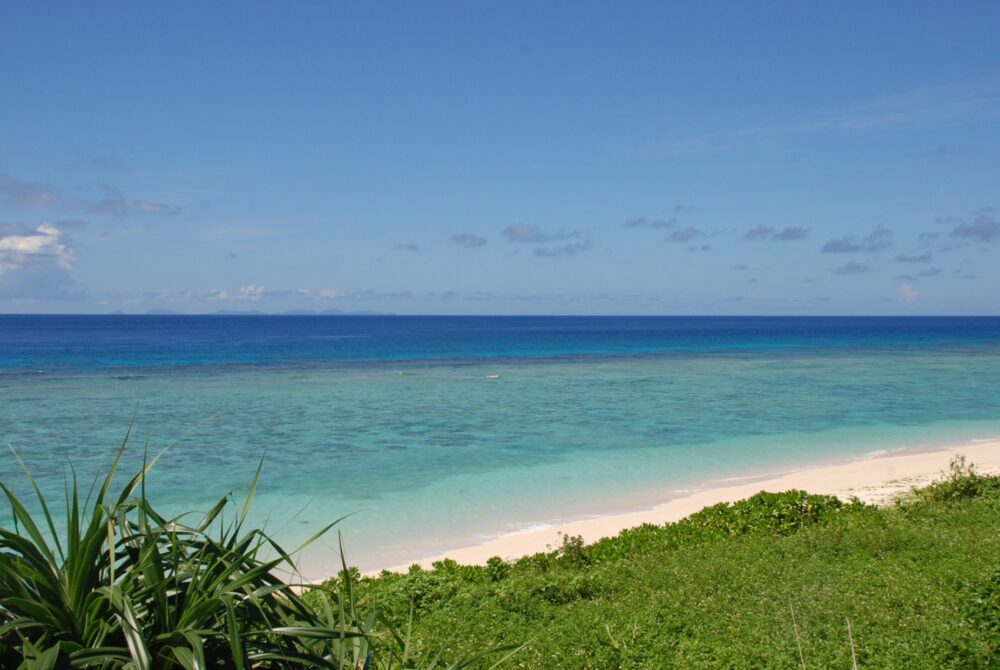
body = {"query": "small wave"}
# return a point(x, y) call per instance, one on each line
point(532, 528)
point(22, 373)
point(493, 376)
point(758, 476)
point(877, 452)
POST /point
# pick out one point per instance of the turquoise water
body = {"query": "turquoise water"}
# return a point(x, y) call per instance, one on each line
point(430, 453)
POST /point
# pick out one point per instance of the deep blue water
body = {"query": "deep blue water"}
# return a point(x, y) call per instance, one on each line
point(72, 343)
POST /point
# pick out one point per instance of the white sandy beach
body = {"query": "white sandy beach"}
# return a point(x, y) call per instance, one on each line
point(875, 479)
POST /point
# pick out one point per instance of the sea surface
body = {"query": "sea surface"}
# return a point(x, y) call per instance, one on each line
point(441, 432)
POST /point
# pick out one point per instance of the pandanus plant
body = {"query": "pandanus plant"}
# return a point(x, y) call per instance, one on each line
point(123, 586)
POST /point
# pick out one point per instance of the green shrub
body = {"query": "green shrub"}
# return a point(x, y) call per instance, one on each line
point(497, 568)
point(961, 482)
point(919, 585)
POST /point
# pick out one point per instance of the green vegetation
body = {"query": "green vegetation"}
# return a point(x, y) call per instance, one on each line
point(770, 582)
point(786, 580)
point(120, 586)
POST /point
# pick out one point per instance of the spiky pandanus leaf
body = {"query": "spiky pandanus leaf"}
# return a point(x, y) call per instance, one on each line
point(126, 587)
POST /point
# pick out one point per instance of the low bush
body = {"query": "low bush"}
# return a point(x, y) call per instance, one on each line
point(960, 482)
point(919, 585)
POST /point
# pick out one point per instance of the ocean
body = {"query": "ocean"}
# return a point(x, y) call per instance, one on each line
point(441, 432)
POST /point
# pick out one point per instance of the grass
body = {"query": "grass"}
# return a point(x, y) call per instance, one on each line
point(784, 580)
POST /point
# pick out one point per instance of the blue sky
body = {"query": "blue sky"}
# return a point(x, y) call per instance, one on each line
point(529, 158)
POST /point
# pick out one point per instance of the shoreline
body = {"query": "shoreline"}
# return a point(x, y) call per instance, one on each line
point(874, 479)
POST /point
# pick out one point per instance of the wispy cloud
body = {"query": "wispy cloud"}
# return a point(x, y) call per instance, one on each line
point(468, 240)
point(686, 234)
point(937, 104)
point(925, 105)
point(651, 224)
point(109, 200)
point(524, 233)
point(570, 249)
point(658, 223)
point(791, 233)
point(923, 274)
point(144, 207)
point(878, 240)
point(112, 201)
point(921, 258)
point(530, 233)
point(983, 228)
point(944, 151)
point(851, 269)
point(412, 248)
point(21, 194)
point(759, 233)
point(927, 239)
point(103, 161)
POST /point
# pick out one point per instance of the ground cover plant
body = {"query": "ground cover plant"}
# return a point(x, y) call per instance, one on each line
point(780, 580)
point(118, 585)
point(786, 580)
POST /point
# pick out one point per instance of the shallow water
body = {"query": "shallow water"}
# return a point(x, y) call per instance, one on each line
point(440, 432)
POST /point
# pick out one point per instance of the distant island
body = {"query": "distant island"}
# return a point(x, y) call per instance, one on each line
point(254, 312)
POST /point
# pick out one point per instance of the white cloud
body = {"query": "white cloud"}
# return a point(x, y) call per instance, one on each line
point(35, 263)
point(251, 292)
point(23, 248)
